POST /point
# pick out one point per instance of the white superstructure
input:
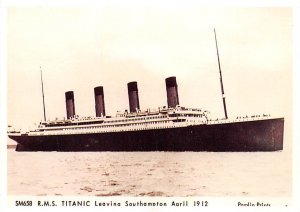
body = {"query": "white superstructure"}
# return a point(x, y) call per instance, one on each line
point(140, 120)
point(161, 118)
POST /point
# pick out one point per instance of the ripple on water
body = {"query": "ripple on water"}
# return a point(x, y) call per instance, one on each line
point(149, 174)
point(153, 193)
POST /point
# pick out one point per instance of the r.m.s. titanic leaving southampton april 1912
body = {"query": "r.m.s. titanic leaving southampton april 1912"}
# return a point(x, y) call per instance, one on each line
point(171, 128)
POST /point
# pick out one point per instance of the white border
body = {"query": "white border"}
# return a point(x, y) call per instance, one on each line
point(295, 4)
point(3, 109)
point(296, 108)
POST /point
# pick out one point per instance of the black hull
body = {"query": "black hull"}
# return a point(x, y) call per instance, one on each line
point(259, 135)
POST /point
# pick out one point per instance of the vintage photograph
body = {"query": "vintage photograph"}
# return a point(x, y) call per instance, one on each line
point(149, 100)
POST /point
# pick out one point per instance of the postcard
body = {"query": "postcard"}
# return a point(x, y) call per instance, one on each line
point(150, 106)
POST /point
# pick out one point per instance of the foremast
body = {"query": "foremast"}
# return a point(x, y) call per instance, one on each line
point(221, 80)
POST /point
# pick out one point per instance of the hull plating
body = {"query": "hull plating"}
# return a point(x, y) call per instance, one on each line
point(260, 135)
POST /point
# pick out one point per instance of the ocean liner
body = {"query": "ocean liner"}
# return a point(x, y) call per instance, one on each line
point(169, 128)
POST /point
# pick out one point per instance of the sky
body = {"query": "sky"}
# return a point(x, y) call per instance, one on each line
point(79, 48)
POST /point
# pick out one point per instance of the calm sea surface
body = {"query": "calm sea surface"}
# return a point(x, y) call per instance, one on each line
point(149, 173)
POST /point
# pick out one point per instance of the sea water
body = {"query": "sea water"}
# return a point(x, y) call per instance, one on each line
point(150, 173)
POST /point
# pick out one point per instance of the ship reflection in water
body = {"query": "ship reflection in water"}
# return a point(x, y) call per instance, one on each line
point(149, 173)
